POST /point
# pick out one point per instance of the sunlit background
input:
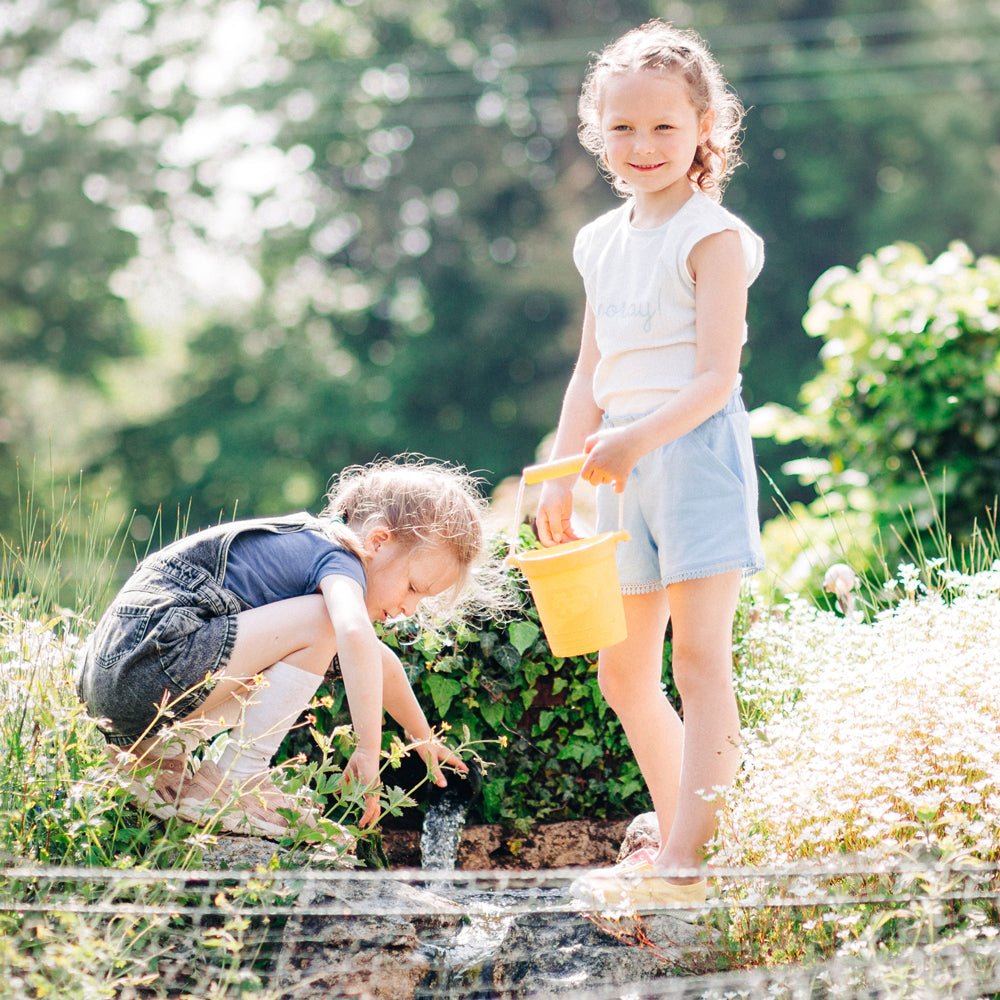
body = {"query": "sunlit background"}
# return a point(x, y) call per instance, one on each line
point(243, 244)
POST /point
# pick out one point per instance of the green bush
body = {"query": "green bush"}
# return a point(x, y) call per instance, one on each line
point(556, 750)
point(904, 410)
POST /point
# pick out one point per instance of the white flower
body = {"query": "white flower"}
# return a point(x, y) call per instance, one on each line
point(864, 736)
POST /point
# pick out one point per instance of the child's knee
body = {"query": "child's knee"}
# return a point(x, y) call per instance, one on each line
point(616, 681)
point(696, 669)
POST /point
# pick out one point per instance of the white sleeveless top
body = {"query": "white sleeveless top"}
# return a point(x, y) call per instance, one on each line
point(640, 287)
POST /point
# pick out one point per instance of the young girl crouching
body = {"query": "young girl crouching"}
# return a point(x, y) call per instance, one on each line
point(234, 628)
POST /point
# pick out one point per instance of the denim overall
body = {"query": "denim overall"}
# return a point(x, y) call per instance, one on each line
point(171, 628)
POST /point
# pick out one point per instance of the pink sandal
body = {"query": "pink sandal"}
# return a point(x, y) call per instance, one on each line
point(238, 809)
point(155, 783)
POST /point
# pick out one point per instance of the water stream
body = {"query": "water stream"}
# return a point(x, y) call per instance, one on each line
point(442, 831)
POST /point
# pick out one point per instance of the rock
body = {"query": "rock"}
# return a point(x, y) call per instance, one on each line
point(402, 848)
point(642, 832)
point(368, 934)
point(567, 953)
point(361, 936)
point(558, 845)
point(240, 853)
point(478, 846)
point(487, 847)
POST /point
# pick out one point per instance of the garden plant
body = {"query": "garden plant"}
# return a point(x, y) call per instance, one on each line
point(901, 420)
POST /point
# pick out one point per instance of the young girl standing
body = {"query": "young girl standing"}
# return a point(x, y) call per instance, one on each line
point(654, 401)
point(234, 627)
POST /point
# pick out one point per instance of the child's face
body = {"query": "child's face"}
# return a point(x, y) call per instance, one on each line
point(651, 130)
point(401, 575)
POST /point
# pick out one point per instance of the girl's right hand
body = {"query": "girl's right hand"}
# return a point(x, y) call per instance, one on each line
point(363, 768)
point(555, 509)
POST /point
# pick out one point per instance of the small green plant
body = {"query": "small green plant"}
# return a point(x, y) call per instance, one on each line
point(902, 418)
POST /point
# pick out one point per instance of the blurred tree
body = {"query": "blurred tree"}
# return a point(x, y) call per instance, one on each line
point(59, 245)
point(416, 289)
point(342, 229)
point(868, 123)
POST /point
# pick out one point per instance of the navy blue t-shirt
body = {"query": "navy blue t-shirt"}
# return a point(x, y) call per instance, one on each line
point(265, 566)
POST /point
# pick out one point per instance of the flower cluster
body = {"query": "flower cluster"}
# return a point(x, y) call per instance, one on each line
point(867, 738)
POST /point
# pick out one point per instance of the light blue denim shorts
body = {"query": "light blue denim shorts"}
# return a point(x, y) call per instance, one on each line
point(690, 506)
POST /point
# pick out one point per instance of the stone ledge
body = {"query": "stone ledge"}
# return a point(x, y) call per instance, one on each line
point(567, 844)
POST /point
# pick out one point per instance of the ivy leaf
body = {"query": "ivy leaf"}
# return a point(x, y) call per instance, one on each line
point(492, 712)
point(442, 691)
point(494, 794)
point(523, 636)
point(508, 657)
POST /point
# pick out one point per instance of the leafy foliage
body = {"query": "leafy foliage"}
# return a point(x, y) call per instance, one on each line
point(905, 406)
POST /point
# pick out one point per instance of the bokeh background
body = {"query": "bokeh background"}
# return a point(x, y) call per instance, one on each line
point(243, 244)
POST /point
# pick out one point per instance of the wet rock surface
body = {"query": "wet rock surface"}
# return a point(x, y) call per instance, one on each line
point(362, 938)
point(472, 939)
point(479, 932)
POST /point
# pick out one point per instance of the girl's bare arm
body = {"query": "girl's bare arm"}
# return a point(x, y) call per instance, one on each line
point(360, 655)
point(580, 416)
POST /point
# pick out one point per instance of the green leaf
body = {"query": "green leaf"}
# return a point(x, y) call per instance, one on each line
point(523, 635)
point(494, 793)
point(508, 657)
point(492, 712)
point(442, 690)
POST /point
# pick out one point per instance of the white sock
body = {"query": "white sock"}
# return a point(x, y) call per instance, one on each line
point(269, 712)
point(184, 737)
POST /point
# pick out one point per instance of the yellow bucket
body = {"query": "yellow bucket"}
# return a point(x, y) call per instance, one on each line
point(574, 585)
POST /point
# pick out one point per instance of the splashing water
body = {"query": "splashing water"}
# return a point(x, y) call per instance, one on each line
point(442, 831)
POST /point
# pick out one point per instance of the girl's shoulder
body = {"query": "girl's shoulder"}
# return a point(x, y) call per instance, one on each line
point(700, 210)
point(595, 233)
point(701, 217)
point(611, 219)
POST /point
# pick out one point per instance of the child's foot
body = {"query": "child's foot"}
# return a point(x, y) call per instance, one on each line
point(637, 885)
point(642, 855)
point(211, 797)
point(154, 782)
point(263, 789)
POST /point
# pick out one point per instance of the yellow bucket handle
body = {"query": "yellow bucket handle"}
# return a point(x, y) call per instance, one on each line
point(556, 469)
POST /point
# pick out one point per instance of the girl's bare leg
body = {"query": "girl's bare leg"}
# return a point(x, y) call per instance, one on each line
point(702, 612)
point(630, 676)
point(297, 631)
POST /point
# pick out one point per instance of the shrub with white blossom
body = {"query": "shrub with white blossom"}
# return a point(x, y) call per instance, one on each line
point(869, 735)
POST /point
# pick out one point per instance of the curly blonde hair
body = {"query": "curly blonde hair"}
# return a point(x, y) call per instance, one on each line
point(423, 502)
point(657, 45)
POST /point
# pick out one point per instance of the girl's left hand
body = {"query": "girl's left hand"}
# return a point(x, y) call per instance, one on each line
point(611, 456)
point(436, 755)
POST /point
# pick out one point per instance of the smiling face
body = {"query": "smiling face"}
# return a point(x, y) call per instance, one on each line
point(651, 133)
point(401, 575)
